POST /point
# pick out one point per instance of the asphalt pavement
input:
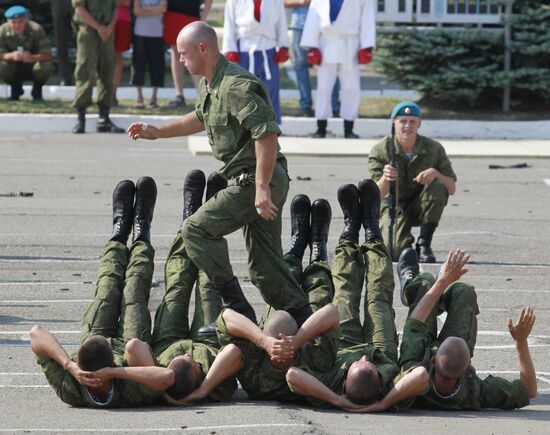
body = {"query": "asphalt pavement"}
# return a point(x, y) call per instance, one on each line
point(55, 208)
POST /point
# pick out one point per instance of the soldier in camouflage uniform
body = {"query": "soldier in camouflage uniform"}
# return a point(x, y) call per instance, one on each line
point(366, 363)
point(95, 57)
point(424, 178)
point(108, 370)
point(233, 106)
point(453, 383)
point(25, 53)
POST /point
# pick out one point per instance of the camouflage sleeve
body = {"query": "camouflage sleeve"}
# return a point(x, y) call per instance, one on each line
point(444, 164)
point(249, 103)
point(500, 393)
point(377, 160)
point(319, 354)
point(43, 41)
point(415, 345)
point(3, 45)
point(64, 384)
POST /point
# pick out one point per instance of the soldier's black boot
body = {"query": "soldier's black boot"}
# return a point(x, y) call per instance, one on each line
point(348, 130)
point(321, 215)
point(214, 184)
point(193, 188)
point(424, 243)
point(123, 210)
point(407, 270)
point(36, 92)
point(104, 123)
point(348, 197)
point(300, 209)
point(369, 195)
point(321, 129)
point(301, 315)
point(146, 197)
point(234, 298)
point(80, 126)
point(16, 91)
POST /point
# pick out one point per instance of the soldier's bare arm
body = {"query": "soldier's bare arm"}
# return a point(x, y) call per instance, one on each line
point(152, 377)
point(266, 157)
point(185, 126)
point(520, 332)
point(318, 323)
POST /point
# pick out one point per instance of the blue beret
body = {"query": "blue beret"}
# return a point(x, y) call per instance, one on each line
point(406, 108)
point(16, 12)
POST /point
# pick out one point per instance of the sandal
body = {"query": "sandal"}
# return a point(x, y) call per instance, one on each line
point(153, 105)
point(179, 101)
point(139, 105)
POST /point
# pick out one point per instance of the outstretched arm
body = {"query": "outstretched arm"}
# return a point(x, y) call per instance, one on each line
point(520, 332)
point(453, 269)
point(184, 126)
point(318, 323)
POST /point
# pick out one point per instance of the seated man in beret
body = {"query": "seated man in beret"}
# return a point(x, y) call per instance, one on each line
point(424, 180)
point(25, 53)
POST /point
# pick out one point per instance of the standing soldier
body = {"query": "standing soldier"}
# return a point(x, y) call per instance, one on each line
point(95, 53)
point(25, 53)
point(424, 176)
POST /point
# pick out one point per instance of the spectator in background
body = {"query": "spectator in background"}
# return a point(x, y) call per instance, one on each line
point(179, 14)
point(123, 39)
point(255, 36)
point(25, 53)
point(301, 65)
point(340, 36)
point(62, 12)
point(148, 48)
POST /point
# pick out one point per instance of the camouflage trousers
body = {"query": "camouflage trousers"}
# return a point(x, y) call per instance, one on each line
point(120, 306)
point(459, 301)
point(354, 266)
point(13, 72)
point(426, 208)
point(95, 60)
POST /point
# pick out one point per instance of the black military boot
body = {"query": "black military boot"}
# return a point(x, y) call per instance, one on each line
point(193, 188)
point(104, 123)
point(348, 197)
point(407, 270)
point(123, 210)
point(16, 91)
point(348, 130)
point(321, 215)
point(369, 195)
point(234, 298)
point(80, 126)
point(214, 184)
point(321, 129)
point(424, 243)
point(36, 92)
point(301, 315)
point(300, 209)
point(146, 196)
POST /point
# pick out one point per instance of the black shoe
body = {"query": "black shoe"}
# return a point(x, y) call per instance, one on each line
point(424, 243)
point(207, 330)
point(351, 135)
point(307, 113)
point(146, 196)
point(16, 91)
point(233, 297)
point(348, 130)
point(214, 184)
point(369, 195)
point(193, 188)
point(105, 125)
point(321, 129)
point(348, 197)
point(300, 209)
point(301, 315)
point(80, 126)
point(321, 215)
point(123, 210)
point(407, 270)
point(36, 92)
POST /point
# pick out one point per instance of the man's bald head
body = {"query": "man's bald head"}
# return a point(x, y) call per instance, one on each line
point(199, 32)
point(452, 358)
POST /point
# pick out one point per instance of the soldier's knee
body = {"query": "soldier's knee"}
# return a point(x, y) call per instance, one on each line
point(42, 71)
point(436, 191)
point(8, 72)
point(464, 295)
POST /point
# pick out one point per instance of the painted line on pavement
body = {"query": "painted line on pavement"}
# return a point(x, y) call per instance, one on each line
point(506, 346)
point(167, 429)
point(540, 378)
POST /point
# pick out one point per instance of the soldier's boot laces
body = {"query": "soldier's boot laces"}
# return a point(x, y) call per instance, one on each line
point(407, 269)
point(348, 197)
point(123, 210)
point(146, 197)
point(321, 215)
point(300, 209)
point(424, 243)
point(369, 194)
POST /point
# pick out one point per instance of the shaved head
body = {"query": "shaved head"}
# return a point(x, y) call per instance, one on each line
point(280, 322)
point(452, 358)
point(198, 32)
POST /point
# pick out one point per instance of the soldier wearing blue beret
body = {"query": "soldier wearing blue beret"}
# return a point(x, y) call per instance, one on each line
point(424, 176)
point(25, 53)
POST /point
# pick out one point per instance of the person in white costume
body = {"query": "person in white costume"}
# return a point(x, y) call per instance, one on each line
point(255, 36)
point(339, 35)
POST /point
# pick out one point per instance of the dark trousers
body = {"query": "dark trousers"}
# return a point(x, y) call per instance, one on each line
point(62, 12)
point(148, 54)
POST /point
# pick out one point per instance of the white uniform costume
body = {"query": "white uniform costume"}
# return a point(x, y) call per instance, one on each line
point(339, 41)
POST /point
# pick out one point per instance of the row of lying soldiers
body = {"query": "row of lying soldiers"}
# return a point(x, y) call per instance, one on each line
point(331, 359)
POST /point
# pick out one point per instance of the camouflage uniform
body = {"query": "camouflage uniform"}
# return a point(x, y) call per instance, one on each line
point(256, 374)
point(35, 41)
point(123, 288)
point(236, 111)
point(94, 56)
point(418, 205)
point(420, 344)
